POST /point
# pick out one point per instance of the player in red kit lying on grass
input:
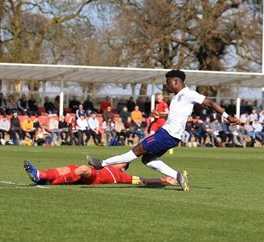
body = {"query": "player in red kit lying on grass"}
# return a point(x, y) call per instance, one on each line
point(73, 174)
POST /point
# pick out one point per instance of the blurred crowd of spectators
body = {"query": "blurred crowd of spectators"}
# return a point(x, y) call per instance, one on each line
point(22, 121)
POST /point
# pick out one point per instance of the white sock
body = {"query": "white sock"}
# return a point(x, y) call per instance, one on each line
point(124, 158)
point(160, 166)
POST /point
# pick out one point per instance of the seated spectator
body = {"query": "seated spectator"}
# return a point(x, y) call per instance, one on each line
point(93, 123)
point(64, 130)
point(74, 104)
point(261, 117)
point(227, 134)
point(88, 106)
point(32, 105)
point(124, 114)
point(131, 104)
point(130, 130)
point(2, 103)
point(238, 133)
point(253, 116)
point(22, 104)
point(213, 116)
point(137, 116)
point(105, 104)
point(199, 132)
point(42, 137)
point(16, 133)
point(53, 127)
point(109, 129)
point(49, 106)
point(83, 129)
point(258, 129)
point(249, 130)
point(4, 127)
point(217, 133)
point(208, 130)
point(80, 111)
point(134, 130)
point(244, 118)
point(120, 131)
point(140, 130)
point(73, 131)
point(203, 115)
point(186, 139)
point(36, 123)
point(11, 104)
point(108, 114)
point(28, 127)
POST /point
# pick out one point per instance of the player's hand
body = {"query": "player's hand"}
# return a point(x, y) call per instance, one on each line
point(154, 114)
point(233, 120)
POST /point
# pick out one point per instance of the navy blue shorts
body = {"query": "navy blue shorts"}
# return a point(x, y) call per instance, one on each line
point(160, 142)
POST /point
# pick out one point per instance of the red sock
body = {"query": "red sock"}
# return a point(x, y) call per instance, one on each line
point(49, 174)
point(69, 178)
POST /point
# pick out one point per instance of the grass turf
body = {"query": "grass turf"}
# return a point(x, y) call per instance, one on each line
point(225, 202)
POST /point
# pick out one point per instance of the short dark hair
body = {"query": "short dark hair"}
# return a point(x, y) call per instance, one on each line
point(176, 73)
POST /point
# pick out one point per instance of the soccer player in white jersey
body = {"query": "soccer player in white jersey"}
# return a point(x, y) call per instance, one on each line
point(170, 134)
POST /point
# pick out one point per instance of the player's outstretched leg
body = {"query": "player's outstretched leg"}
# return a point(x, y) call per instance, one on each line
point(183, 180)
point(97, 164)
point(31, 171)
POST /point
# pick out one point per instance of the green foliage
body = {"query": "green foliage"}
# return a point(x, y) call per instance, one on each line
point(225, 202)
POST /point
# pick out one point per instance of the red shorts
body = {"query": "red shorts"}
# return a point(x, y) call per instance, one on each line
point(157, 124)
point(107, 175)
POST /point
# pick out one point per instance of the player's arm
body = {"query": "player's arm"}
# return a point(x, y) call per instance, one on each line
point(210, 103)
point(164, 114)
point(152, 181)
point(156, 114)
point(136, 180)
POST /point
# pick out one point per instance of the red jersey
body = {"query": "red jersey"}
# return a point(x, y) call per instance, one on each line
point(107, 175)
point(104, 105)
point(161, 106)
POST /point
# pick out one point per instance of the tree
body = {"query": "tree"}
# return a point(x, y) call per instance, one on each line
point(29, 27)
point(198, 34)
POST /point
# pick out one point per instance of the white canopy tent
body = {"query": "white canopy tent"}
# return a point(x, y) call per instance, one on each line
point(97, 75)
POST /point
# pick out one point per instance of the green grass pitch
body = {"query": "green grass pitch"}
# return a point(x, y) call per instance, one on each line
point(225, 202)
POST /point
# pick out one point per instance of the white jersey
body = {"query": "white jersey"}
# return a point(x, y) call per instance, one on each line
point(180, 109)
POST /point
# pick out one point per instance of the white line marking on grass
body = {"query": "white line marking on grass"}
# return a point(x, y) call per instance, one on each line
point(38, 186)
point(8, 182)
point(19, 185)
point(31, 187)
